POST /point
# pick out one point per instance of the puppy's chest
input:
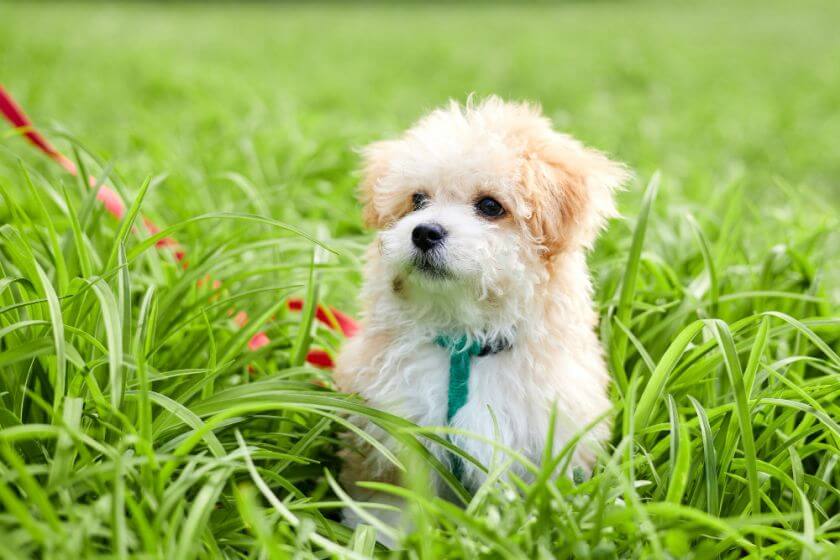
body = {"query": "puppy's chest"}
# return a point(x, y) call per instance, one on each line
point(421, 390)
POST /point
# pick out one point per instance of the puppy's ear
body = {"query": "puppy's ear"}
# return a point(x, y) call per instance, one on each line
point(570, 188)
point(375, 165)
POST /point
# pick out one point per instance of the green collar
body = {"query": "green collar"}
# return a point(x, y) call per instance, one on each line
point(461, 353)
point(460, 356)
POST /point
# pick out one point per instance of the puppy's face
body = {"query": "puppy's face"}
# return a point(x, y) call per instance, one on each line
point(474, 203)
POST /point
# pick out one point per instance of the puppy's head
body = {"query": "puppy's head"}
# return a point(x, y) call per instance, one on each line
point(474, 202)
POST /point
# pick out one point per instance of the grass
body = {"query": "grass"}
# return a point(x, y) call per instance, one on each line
point(136, 422)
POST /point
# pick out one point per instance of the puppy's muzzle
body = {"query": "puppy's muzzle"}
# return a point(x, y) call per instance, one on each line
point(427, 237)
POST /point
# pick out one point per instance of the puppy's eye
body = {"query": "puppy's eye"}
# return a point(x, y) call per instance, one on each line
point(419, 200)
point(489, 207)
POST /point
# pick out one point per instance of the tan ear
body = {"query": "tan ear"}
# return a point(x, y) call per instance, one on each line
point(571, 190)
point(375, 160)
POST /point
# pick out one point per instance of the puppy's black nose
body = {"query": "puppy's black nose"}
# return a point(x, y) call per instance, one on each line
point(428, 236)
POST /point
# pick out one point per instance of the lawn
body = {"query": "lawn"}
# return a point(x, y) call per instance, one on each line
point(137, 421)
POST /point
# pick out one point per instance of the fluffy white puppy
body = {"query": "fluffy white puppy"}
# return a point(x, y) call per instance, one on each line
point(484, 216)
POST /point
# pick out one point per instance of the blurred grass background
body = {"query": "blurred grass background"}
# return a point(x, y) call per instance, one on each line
point(710, 93)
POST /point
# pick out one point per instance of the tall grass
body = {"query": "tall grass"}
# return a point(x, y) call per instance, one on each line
point(135, 421)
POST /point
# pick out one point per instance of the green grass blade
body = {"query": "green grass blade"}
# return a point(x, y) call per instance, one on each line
point(34, 493)
point(680, 455)
point(310, 305)
point(709, 459)
point(188, 541)
point(127, 224)
point(55, 244)
point(624, 310)
point(756, 352)
point(724, 339)
point(65, 452)
point(79, 243)
point(113, 333)
point(658, 381)
point(57, 322)
point(708, 260)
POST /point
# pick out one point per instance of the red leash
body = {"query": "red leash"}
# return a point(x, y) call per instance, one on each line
point(114, 205)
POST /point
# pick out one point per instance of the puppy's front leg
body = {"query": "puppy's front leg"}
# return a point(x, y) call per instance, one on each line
point(363, 463)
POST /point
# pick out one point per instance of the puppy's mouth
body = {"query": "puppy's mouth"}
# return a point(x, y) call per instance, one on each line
point(430, 266)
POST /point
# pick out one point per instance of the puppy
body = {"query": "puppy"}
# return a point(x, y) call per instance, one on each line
point(484, 216)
